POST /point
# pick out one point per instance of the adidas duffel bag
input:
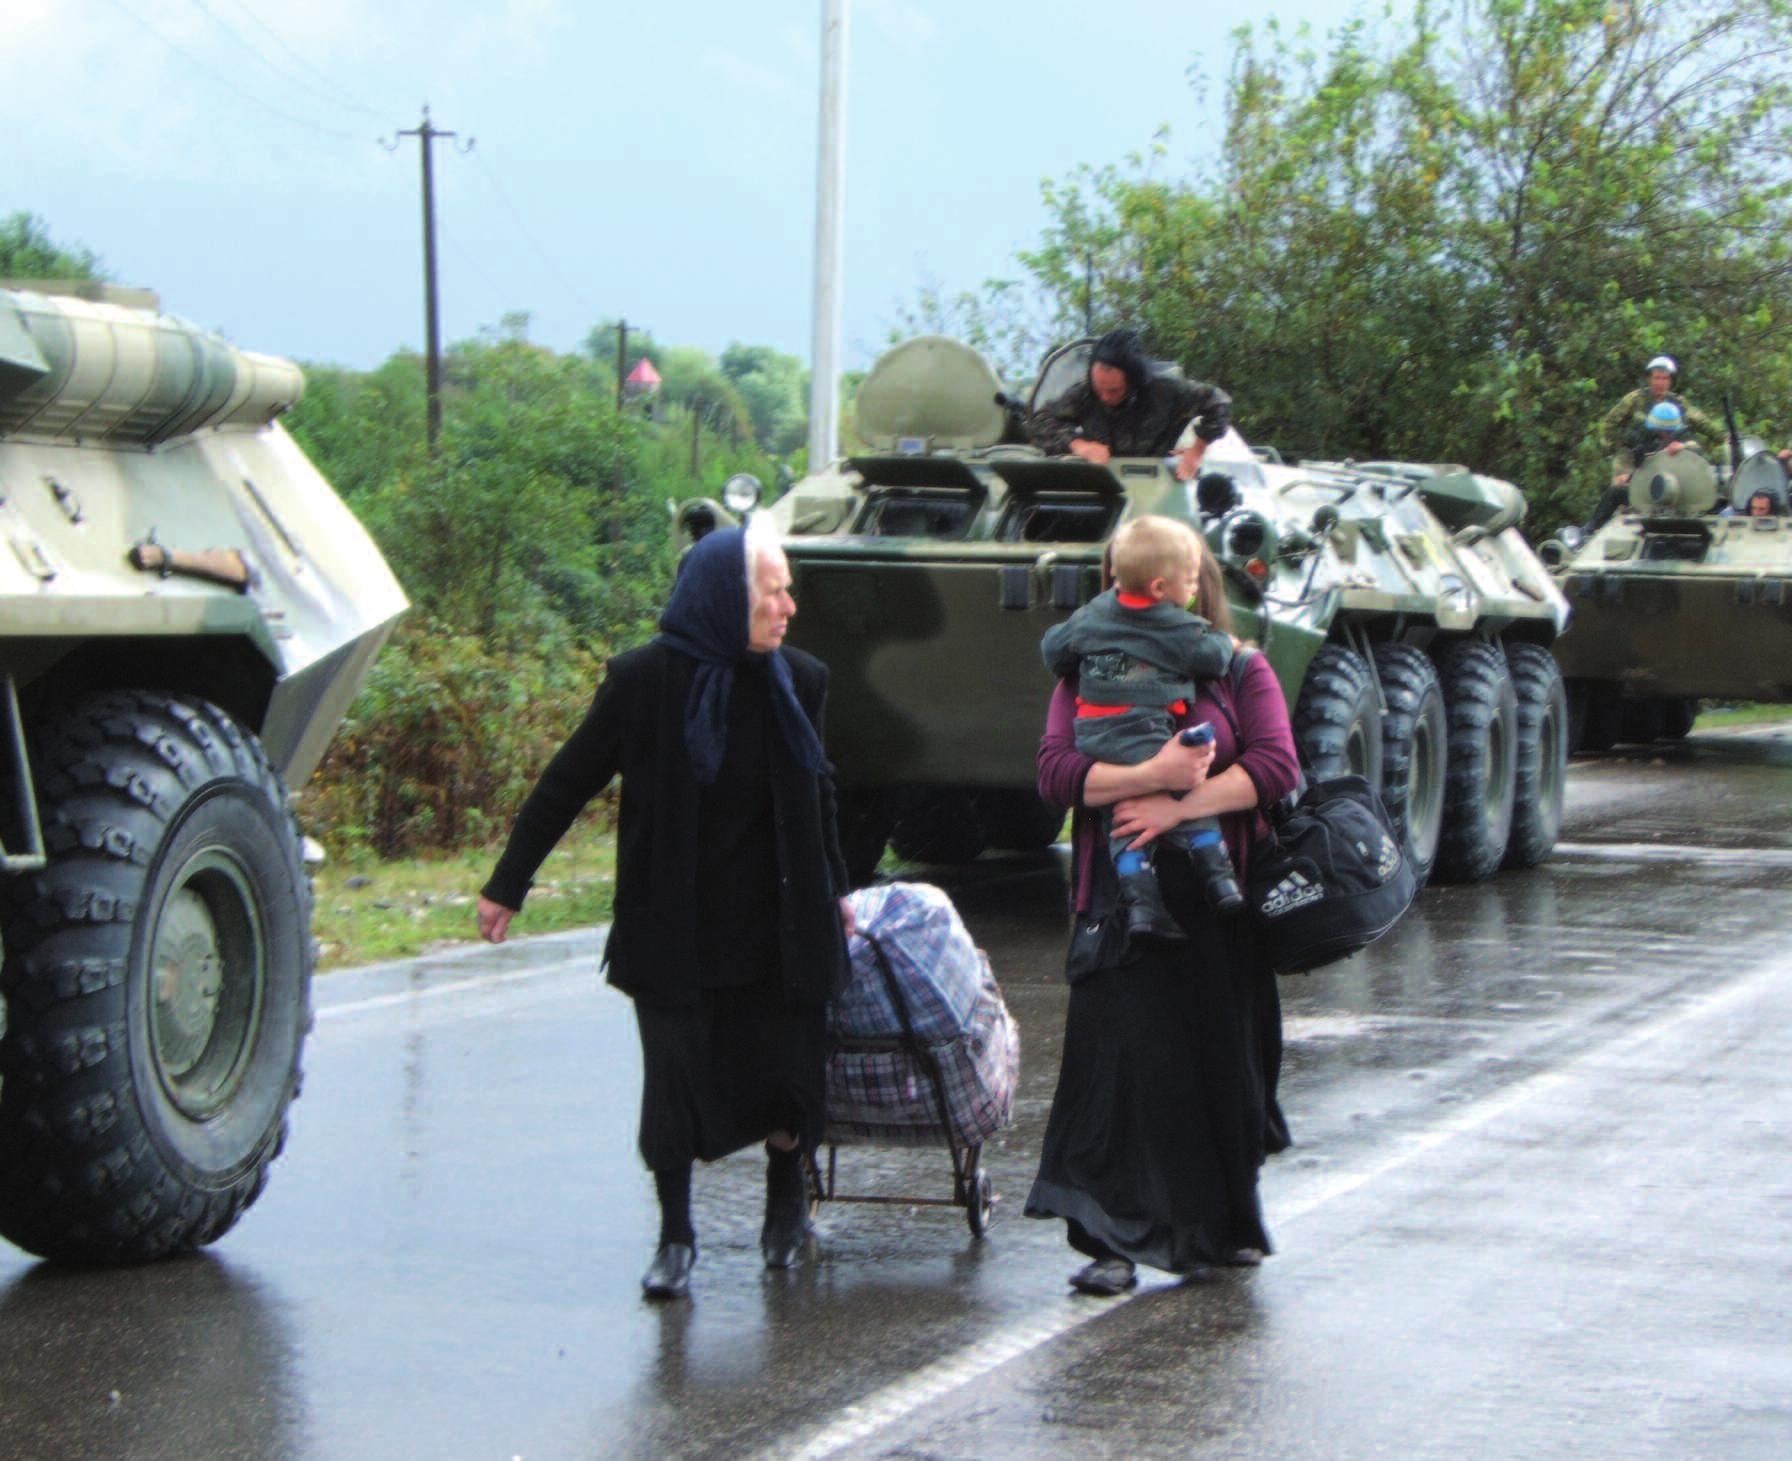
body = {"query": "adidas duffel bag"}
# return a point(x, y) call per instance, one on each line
point(1330, 878)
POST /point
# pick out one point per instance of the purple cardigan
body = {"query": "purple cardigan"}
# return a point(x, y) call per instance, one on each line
point(1266, 753)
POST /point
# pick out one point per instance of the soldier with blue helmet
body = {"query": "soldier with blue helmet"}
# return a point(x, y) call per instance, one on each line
point(1629, 434)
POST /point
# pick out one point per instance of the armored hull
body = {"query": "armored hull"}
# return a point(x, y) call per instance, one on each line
point(1681, 596)
point(1405, 616)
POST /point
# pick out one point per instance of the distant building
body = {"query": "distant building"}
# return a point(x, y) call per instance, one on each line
point(640, 382)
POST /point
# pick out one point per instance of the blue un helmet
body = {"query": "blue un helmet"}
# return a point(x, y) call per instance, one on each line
point(1664, 416)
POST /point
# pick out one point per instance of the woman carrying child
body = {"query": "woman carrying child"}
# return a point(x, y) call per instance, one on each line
point(1165, 1105)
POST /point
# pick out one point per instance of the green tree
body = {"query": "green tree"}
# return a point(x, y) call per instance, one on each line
point(27, 251)
point(775, 388)
point(1459, 239)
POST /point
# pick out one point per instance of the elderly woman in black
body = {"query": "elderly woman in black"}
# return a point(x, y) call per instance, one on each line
point(730, 924)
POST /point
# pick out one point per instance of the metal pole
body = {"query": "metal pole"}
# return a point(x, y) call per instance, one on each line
point(830, 200)
point(621, 359)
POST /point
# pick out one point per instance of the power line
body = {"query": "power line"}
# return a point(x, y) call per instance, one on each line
point(282, 73)
point(227, 83)
point(529, 238)
point(345, 97)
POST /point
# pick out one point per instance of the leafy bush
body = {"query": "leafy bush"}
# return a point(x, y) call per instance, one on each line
point(444, 742)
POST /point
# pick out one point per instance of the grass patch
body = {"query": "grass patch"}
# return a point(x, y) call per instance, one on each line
point(1713, 716)
point(367, 910)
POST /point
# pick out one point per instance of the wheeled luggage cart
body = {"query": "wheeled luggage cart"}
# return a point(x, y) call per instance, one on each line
point(972, 1188)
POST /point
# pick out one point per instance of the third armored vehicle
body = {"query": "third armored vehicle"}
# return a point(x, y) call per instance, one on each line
point(1682, 594)
point(1405, 615)
point(188, 609)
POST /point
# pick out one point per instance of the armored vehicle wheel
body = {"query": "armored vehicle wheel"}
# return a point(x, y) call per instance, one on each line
point(1541, 761)
point(158, 978)
point(1414, 734)
point(1640, 720)
point(1677, 717)
point(1019, 820)
point(1337, 720)
point(1481, 765)
point(937, 824)
point(864, 819)
point(1592, 716)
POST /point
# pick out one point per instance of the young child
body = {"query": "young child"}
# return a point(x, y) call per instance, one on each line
point(1136, 653)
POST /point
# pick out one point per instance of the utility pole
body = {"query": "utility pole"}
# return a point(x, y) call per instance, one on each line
point(696, 426)
point(830, 194)
point(621, 360)
point(425, 133)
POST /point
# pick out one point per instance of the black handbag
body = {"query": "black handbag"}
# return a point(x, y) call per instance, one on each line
point(1330, 878)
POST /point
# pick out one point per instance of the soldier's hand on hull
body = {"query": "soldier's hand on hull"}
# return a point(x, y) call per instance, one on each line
point(1188, 460)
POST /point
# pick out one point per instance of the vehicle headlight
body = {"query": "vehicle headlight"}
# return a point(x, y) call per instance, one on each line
point(741, 493)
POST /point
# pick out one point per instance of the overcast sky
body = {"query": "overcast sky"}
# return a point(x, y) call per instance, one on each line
point(654, 160)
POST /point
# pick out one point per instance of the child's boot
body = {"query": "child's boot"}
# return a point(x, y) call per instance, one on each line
point(1213, 869)
point(1146, 915)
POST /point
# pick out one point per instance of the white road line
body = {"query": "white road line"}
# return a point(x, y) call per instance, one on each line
point(458, 986)
point(896, 1401)
point(1743, 857)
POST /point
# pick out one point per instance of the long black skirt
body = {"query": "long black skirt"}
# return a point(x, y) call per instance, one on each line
point(728, 1072)
point(1166, 1104)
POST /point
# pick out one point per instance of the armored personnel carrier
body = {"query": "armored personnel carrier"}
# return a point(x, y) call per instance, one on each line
point(1406, 617)
point(186, 609)
point(1683, 594)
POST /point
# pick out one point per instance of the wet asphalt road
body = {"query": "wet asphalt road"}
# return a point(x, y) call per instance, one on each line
point(1540, 1202)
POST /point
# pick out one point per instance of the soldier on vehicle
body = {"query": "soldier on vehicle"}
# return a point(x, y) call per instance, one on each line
point(1627, 428)
point(1650, 419)
point(1125, 409)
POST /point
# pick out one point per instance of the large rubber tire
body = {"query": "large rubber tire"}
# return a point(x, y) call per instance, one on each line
point(1414, 737)
point(1337, 720)
point(1018, 820)
point(1677, 717)
point(938, 824)
point(1541, 771)
point(1592, 715)
point(158, 978)
point(1480, 777)
point(1640, 721)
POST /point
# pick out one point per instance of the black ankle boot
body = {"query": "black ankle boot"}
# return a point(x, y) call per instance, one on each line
point(669, 1275)
point(786, 1209)
point(1146, 915)
point(1213, 866)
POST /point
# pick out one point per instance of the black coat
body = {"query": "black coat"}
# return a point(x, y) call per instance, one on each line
point(635, 728)
point(1147, 423)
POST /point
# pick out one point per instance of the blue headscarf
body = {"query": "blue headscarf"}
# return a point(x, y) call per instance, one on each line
point(707, 618)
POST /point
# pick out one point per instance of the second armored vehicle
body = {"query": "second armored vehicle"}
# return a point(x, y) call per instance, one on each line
point(1683, 594)
point(1405, 615)
point(188, 609)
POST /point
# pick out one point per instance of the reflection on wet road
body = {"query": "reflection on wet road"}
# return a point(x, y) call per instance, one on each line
point(1538, 1201)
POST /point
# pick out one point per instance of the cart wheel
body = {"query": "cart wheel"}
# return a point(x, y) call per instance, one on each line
point(980, 1211)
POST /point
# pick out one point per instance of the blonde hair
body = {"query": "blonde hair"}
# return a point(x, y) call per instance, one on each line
point(1152, 547)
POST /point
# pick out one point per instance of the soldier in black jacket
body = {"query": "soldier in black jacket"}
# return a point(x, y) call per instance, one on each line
point(1124, 409)
point(730, 924)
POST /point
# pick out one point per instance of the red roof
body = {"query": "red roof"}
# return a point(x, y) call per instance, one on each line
point(644, 374)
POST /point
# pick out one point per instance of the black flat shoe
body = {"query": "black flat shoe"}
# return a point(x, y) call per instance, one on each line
point(782, 1238)
point(1105, 1277)
point(669, 1275)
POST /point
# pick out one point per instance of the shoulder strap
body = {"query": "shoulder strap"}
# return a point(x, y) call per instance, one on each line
point(1241, 657)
